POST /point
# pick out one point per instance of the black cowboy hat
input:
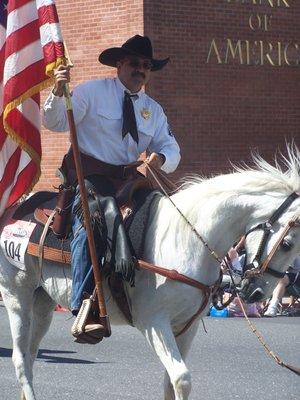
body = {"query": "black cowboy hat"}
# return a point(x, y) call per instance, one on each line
point(139, 46)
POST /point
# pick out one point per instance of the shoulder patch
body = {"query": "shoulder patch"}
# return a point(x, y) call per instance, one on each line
point(170, 131)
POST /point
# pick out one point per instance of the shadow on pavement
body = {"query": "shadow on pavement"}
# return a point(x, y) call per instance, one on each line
point(51, 357)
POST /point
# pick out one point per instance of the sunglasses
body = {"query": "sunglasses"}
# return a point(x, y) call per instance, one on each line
point(135, 63)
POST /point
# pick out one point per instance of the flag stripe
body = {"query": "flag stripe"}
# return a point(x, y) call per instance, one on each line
point(44, 3)
point(2, 36)
point(27, 132)
point(20, 17)
point(15, 4)
point(22, 38)
point(7, 150)
point(19, 83)
point(3, 136)
point(47, 14)
point(1, 100)
point(52, 51)
point(5, 199)
point(2, 61)
point(23, 176)
point(10, 169)
point(18, 62)
point(30, 110)
point(24, 168)
point(50, 33)
point(30, 47)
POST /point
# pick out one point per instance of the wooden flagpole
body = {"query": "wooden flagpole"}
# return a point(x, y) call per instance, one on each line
point(104, 319)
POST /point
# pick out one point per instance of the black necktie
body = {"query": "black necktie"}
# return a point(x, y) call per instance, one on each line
point(129, 121)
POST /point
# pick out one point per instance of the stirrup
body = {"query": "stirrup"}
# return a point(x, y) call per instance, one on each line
point(84, 329)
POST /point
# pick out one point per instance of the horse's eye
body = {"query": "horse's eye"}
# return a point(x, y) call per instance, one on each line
point(287, 244)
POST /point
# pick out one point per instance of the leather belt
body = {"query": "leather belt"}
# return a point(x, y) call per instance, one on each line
point(91, 166)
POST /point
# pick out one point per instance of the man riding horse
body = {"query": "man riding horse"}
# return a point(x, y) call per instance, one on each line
point(116, 122)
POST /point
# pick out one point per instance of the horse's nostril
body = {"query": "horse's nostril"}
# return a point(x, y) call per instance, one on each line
point(257, 295)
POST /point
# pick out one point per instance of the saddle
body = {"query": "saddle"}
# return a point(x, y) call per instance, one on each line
point(44, 207)
point(58, 204)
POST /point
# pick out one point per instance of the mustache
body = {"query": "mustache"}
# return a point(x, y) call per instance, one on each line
point(137, 73)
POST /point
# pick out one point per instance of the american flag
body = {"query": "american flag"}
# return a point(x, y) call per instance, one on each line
point(31, 47)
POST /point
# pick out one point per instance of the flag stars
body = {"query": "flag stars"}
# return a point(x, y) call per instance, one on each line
point(3, 12)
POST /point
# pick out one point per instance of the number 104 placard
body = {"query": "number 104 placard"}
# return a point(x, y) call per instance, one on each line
point(14, 241)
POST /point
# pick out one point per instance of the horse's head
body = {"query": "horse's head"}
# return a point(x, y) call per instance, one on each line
point(271, 246)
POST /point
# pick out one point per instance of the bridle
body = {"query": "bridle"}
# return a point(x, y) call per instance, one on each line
point(257, 267)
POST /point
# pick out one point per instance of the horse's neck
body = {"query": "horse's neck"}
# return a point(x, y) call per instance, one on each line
point(172, 243)
point(220, 222)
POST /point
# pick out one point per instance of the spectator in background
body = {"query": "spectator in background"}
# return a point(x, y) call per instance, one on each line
point(291, 277)
point(236, 256)
point(236, 259)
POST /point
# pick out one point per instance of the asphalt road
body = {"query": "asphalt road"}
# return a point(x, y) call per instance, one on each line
point(227, 363)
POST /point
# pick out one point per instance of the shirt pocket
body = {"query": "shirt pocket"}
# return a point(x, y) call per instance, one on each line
point(109, 119)
point(109, 112)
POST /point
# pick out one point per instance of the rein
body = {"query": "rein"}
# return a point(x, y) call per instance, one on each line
point(176, 276)
point(270, 352)
point(203, 241)
point(256, 271)
point(173, 274)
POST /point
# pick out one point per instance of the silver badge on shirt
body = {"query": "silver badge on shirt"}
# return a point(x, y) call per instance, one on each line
point(146, 114)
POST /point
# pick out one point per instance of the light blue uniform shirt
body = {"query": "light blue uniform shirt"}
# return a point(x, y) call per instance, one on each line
point(98, 114)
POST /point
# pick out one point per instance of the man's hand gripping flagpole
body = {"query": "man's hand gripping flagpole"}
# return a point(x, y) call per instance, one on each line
point(104, 319)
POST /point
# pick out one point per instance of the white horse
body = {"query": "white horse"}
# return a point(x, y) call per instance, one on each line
point(222, 209)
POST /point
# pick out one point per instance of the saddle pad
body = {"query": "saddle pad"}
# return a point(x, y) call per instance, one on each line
point(26, 213)
point(135, 227)
point(26, 209)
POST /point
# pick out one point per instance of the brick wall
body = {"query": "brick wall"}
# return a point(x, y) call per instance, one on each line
point(88, 27)
point(220, 107)
point(220, 111)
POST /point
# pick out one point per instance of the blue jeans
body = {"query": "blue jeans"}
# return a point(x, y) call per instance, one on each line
point(82, 272)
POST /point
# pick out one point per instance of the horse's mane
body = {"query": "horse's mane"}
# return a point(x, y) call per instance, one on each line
point(278, 180)
point(283, 178)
